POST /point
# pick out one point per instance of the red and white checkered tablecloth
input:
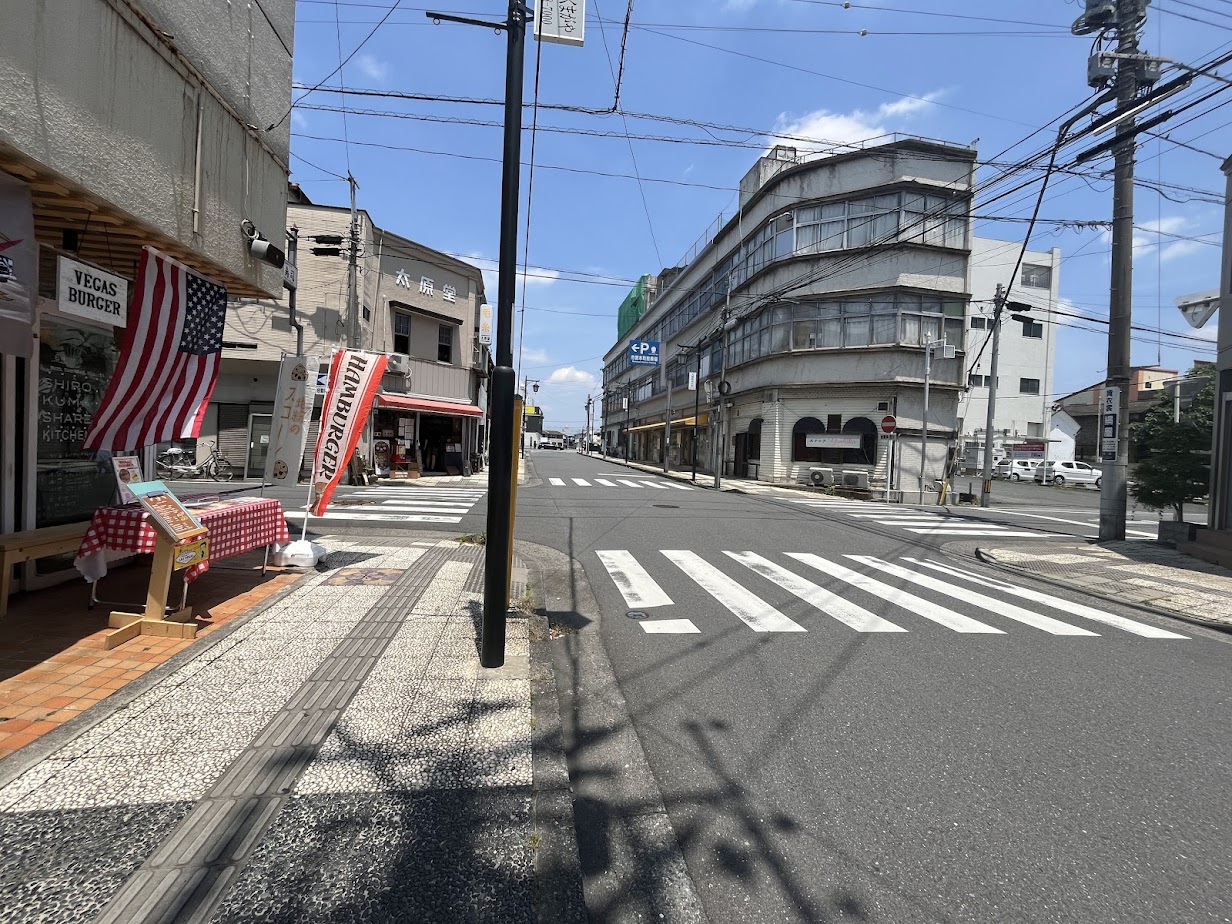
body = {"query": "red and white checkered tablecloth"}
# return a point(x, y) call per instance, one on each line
point(235, 526)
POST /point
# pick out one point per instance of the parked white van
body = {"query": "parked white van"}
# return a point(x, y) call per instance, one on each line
point(1062, 473)
point(1015, 469)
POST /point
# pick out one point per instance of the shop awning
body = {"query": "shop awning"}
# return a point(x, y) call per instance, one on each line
point(702, 420)
point(408, 403)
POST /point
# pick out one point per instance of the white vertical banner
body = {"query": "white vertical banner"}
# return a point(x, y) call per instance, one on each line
point(560, 21)
point(18, 267)
point(297, 378)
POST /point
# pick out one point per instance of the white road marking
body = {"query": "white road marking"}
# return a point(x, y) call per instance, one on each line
point(557, 482)
point(908, 601)
point(652, 484)
point(748, 607)
point(670, 627)
point(632, 580)
point(1076, 609)
point(605, 482)
point(378, 517)
point(1008, 610)
point(581, 482)
point(679, 487)
point(1039, 516)
point(631, 484)
point(1003, 532)
point(844, 611)
point(406, 505)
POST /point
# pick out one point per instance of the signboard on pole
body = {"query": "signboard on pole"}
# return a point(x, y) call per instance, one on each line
point(888, 424)
point(644, 352)
point(91, 293)
point(692, 381)
point(354, 378)
point(297, 377)
point(1109, 423)
point(485, 324)
point(560, 21)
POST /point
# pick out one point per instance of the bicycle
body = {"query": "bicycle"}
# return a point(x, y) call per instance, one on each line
point(174, 463)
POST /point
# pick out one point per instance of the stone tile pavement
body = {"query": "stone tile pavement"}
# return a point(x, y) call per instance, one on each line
point(337, 756)
point(1141, 573)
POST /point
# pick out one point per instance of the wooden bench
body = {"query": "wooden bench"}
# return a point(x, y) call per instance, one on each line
point(32, 544)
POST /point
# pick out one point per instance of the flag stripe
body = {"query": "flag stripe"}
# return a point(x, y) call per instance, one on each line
point(157, 386)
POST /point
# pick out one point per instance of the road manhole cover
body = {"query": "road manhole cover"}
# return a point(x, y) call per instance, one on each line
point(667, 506)
point(637, 614)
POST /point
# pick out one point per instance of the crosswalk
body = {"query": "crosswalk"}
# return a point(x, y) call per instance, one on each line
point(923, 522)
point(618, 482)
point(908, 593)
point(409, 504)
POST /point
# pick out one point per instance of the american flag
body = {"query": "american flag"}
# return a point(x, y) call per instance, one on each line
point(169, 363)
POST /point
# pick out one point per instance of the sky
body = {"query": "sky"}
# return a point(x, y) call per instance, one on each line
point(615, 195)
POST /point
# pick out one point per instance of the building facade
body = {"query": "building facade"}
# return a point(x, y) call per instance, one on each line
point(1021, 426)
point(1146, 384)
point(416, 304)
point(123, 123)
point(805, 320)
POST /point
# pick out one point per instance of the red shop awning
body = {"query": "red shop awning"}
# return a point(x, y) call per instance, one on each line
point(407, 403)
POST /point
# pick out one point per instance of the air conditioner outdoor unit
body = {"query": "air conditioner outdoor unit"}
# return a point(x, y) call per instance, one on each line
point(821, 476)
point(399, 364)
point(855, 479)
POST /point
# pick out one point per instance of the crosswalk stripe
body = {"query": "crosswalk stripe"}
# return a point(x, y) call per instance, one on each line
point(680, 487)
point(651, 484)
point(1008, 610)
point(632, 580)
point(605, 482)
point(581, 482)
point(908, 601)
point(746, 606)
point(979, 531)
point(1076, 609)
point(670, 627)
point(631, 484)
point(557, 482)
point(400, 505)
point(844, 611)
point(378, 517)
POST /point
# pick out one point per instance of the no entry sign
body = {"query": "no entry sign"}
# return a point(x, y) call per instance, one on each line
point(888, 424)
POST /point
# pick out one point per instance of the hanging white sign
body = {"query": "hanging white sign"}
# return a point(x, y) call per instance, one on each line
point(88, 292)
point(561, 21)
point(297, 377)
point(485, 324)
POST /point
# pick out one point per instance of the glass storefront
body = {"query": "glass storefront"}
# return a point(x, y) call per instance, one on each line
point(75, 365)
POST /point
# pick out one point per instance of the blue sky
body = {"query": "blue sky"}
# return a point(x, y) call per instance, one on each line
point(993, 70)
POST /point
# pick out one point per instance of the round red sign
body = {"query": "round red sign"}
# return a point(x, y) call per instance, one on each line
point(888, 424)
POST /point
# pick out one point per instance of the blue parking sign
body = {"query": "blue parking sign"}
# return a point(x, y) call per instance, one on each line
point(644, 352)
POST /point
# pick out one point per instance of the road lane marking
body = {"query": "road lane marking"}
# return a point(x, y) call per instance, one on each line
point(557, 482)
point(632, 580)
point(833, 605)
point(1000, 607)
point(908, 601)
point(651, 484)
point(978, 531)
point(679, 487)
point(378, 517)
point(745, 605)
point(631, 484)
point(1076, 609)
point(605, 482)
point(581, 482)
point(669, 626)
point(1039, 516)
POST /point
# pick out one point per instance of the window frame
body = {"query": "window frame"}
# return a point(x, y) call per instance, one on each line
point(444, 341)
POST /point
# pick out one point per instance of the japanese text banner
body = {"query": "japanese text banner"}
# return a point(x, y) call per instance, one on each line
point(297, 379)
point(354, 379)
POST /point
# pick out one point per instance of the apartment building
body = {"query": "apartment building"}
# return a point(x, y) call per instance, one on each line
point(806, 318)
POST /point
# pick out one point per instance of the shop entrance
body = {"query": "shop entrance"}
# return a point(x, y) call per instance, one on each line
point(440, 443)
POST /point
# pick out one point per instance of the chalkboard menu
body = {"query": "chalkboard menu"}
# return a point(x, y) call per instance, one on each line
point(75, 365)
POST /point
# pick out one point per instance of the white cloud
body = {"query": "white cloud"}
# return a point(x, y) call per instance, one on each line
point(534, 356)
point(1159, 233)
point(299, 121)
point(828, 128)
point(571, 375)
point(372, 67)
point(534, 276)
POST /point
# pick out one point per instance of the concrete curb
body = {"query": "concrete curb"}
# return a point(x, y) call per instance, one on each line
point(982, 556)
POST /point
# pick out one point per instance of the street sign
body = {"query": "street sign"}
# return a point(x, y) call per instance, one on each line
point(888, 424)
point(561, 21)
point(485, 324)
point(290, 275)
point(1109, 423)
point(644, 352)
point(692, 381)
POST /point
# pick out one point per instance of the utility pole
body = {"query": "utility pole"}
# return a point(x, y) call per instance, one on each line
point(697, 393)
point(723, 391)
point(499, 549)
point(986, 490)
point(667, 427)
point(354, 332)
point(1114, 493)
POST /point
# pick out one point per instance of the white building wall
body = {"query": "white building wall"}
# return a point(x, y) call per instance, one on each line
point(1021, 357)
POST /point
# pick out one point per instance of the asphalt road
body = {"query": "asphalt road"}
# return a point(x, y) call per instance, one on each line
point(847, 720)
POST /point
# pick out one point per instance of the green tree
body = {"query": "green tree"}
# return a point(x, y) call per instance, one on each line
point(1174, 456)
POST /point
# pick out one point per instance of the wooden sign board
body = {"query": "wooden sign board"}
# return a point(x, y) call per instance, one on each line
point(167, 513)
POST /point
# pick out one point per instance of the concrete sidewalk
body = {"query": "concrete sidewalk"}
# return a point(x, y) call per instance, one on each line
point(339, 755)
point(1140, 573)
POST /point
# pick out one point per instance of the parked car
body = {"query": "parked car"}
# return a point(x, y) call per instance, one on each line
point(1015, 469)
point(1063, 473)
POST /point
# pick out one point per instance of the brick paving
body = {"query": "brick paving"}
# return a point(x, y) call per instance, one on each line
point(53, 665)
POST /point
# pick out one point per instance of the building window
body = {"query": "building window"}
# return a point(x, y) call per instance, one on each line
point(799, 451)
point(834, 422)
point(1029, 386)
point(444, 344)
point(976, 381)
point(1037, 277)
point(367, 313)
point(867, 453)
point(979, 323)
point(1032, 329)
point(1035, 429)
point(402, 333)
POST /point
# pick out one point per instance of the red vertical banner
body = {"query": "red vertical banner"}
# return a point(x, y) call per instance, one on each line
point(354, 379)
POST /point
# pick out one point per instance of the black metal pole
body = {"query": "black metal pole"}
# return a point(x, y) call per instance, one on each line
point(500, 474)
point(697, 391)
